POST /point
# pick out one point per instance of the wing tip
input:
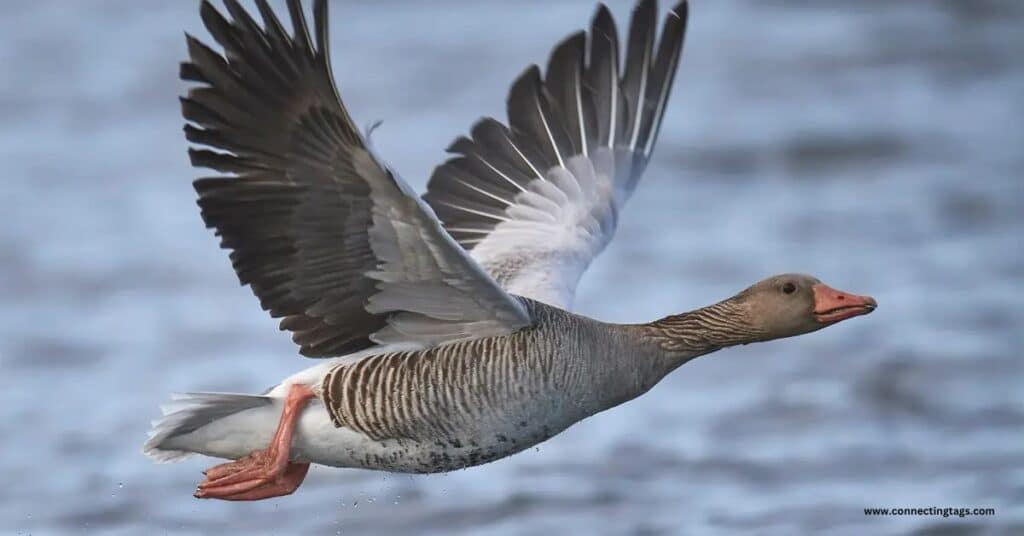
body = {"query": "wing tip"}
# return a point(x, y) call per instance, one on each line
point(681, 9)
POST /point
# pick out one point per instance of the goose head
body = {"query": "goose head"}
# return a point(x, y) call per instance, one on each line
point(793, 304)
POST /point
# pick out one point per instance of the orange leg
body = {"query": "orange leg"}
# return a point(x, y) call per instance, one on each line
point(264, 473)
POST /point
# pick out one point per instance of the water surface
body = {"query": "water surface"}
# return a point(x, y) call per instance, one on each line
point(877, 145)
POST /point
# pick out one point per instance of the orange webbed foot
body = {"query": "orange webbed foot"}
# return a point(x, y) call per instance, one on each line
point(263, 473)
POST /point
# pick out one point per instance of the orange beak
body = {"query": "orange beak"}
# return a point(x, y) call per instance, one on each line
point(831, 305)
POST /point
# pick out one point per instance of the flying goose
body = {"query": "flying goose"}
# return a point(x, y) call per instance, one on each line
point(445, 320)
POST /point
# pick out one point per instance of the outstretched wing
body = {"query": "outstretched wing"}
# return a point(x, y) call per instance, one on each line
point(535, 202)
point(326, 236)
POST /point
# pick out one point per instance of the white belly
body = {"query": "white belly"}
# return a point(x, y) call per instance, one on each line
point(319, 441)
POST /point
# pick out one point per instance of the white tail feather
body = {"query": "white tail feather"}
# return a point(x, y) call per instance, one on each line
point(184, 428)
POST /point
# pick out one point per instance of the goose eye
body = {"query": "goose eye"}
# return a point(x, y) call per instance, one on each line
point(789, 288)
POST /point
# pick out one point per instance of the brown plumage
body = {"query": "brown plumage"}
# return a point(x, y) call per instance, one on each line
point(448, 316)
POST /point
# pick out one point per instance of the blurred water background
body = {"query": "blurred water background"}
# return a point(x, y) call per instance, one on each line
point(878, 145)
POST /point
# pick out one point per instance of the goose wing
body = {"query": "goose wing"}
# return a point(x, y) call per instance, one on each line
point(328, 238)
point(535, 201)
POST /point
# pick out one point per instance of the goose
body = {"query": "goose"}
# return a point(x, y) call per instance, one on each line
point(442, 323)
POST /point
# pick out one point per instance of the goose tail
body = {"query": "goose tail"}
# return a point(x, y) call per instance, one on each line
point(225, 425)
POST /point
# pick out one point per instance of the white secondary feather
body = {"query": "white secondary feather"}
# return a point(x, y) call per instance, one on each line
point(535, 201)
point(555, 228)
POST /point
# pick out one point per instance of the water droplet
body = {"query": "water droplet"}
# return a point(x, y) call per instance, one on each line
point(120, 485)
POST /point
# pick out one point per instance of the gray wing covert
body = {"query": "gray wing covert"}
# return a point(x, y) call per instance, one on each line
point(328, 238)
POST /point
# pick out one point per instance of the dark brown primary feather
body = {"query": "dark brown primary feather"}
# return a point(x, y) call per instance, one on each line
point(663, 69)
point(327, 236)
point(290, 206)
point(603, 78)
point(585, 101)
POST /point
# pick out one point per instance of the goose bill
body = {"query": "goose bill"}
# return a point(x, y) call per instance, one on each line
point(831, 305)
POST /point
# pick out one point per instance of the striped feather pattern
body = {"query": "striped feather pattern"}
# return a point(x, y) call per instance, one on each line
point(707, 329)
point(435, 393)
point(535, 381)
point(494, 396)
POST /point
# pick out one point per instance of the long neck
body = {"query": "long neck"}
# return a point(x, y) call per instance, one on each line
point(687, 335)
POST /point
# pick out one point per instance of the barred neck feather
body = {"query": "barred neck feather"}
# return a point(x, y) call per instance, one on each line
point(705, 330)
